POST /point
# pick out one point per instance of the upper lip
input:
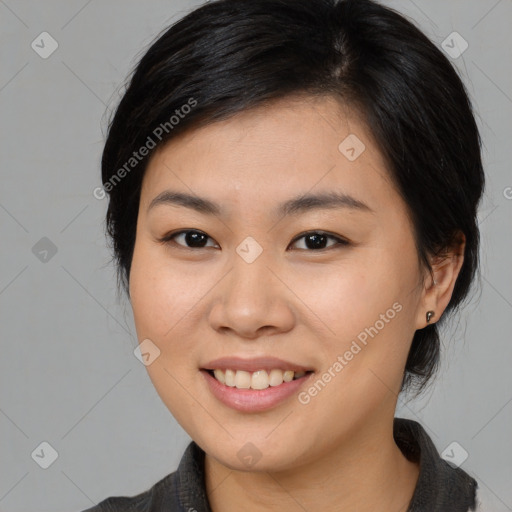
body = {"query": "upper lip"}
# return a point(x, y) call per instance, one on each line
point(253, 365)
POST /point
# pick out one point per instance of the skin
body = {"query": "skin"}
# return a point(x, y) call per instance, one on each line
point(294, 302)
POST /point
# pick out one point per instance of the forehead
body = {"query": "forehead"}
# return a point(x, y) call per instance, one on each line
point(269, 154)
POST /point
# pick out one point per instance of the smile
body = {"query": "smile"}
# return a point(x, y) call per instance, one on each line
point(260, 379)
point(275, 387)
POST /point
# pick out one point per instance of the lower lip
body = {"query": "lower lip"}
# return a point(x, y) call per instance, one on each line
point(253, 400)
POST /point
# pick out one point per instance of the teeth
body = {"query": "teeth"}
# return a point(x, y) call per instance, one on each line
point(260, 380)
point(242, 380)
point(276, 377)
point(219, 375)
point(229, 378)
point(288, 375)
point(257, 380)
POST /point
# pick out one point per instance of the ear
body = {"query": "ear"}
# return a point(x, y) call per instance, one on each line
point(445, 268)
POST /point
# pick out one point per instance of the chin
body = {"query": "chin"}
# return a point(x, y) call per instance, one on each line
point(252, 453)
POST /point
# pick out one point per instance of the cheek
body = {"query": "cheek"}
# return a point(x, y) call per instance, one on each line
point(365, 314)
point(160, 293)
point(350, 296)
point(160, 301)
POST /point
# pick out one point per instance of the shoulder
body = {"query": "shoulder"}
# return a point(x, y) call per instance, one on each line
point(441, 486)
point(157, 498)
point(180, 490)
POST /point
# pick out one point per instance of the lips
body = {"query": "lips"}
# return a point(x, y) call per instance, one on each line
point(253, 365)
point(257, 374)
point(250, 400)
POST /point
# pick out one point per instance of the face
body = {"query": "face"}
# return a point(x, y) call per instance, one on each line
point(261, 278)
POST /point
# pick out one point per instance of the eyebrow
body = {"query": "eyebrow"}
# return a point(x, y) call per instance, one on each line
point(294, 206)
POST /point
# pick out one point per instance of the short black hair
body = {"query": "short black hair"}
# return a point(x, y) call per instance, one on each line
point(228, 56)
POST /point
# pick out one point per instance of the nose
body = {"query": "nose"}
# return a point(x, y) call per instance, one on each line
point(252, 301)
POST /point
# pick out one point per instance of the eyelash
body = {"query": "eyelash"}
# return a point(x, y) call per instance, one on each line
point(167, 239)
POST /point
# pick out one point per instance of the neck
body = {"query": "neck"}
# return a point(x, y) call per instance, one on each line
point(365, 471)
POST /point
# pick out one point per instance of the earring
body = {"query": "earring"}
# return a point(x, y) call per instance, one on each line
point(430, 314)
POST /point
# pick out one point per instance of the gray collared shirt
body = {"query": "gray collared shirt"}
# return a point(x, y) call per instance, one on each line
point(441, 487)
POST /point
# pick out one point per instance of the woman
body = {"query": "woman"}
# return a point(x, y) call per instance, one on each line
point(293, 188)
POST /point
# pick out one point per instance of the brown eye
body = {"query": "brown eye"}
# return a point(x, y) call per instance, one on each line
point(317, 240)
point(191, 239)
point(194, 239)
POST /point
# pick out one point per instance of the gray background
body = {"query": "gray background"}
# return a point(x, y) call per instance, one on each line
point(68, 375)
